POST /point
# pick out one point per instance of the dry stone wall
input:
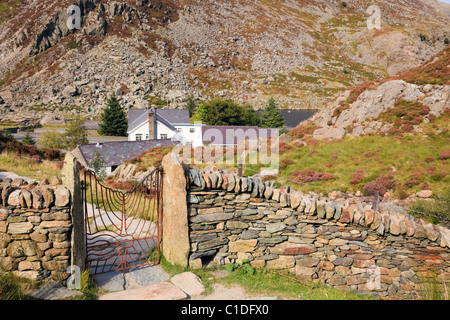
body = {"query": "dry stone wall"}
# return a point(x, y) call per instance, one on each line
point(35, 229)
point(341, 242)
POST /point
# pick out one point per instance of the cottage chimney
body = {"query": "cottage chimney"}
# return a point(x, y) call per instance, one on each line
point(151, 124)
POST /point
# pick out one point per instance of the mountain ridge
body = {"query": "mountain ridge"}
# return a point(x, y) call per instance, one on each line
point(303, 52)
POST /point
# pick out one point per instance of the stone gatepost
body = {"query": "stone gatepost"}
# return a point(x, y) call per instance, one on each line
point(175, 231)
point(71, 180)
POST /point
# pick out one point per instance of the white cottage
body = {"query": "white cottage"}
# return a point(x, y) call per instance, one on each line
point(174, 124)
point(148, 124)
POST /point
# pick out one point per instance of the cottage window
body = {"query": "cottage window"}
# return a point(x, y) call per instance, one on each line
point(138, 137)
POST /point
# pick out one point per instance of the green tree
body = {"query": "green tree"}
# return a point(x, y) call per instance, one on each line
point(221, 112)
point(271, 117)
point(98, 165)
point(52, 139)
point(251, 117)
point(28, 139)
point(75, 134)
point(114, 120)
point(191, 105)
point(8, 134)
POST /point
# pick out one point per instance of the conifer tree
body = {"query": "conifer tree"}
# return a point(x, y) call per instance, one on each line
point(28, 139)
point(98, 165)
point(114, 120)
point(191, 105)
point(271, 117)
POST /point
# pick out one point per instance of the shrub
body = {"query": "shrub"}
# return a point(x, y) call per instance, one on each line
point(285, 162)
point(369, 154)
point(404, 116)
point(433, 71)
point(327, 176)
point(410, 183)
point(72, 45)
point(429, 159)
point(407, 127)
point(269, 177)
point(425, 186)
point(283, 147)
point(438, 176)
point(309, 175)
point(382, 184)
point(401, 193)
point(357, 176)
point(418, 175)
point(15, 147)
point(444, 155)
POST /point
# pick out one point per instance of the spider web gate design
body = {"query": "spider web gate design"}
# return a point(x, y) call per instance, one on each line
point(122, 228)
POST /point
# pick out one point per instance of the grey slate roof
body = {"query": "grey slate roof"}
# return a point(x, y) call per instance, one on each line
point(116, 153)
point(167, 116)
point(230, 135)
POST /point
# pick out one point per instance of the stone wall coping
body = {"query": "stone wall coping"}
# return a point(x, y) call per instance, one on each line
point(390, 218)
point(38, 195)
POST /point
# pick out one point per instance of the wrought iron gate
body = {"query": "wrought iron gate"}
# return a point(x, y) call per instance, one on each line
point(122, 227)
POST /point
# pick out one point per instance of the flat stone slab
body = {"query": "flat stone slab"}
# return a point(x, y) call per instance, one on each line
point(189, 283)
point(156, 291)
point(130, 279)
point(54, 291)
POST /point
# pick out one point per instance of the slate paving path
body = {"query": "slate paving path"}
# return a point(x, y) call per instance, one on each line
point(183, 286)
point(149, 283)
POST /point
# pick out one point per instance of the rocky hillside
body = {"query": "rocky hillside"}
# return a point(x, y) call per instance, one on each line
point(388, 106)
point(301, 51)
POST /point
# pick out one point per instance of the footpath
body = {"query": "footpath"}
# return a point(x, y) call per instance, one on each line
point(149, 283)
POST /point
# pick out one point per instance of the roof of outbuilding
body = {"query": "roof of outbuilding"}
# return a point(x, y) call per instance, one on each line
point(116, 153)
point(228, 135)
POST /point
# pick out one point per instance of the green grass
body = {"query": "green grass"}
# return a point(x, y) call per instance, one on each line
point(435, 208)
point(29, 168)
point(412, 159)
point(278, 283)
point(284, 285)
point(15, 288)
point(375, 155)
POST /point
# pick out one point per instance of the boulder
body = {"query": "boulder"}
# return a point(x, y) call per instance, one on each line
point(424, 194)
point(329, 133)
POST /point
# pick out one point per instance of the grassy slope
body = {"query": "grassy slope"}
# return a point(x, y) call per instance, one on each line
point(411, 156)
point(376, 155)
point(409, 152)
point(29, 161)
